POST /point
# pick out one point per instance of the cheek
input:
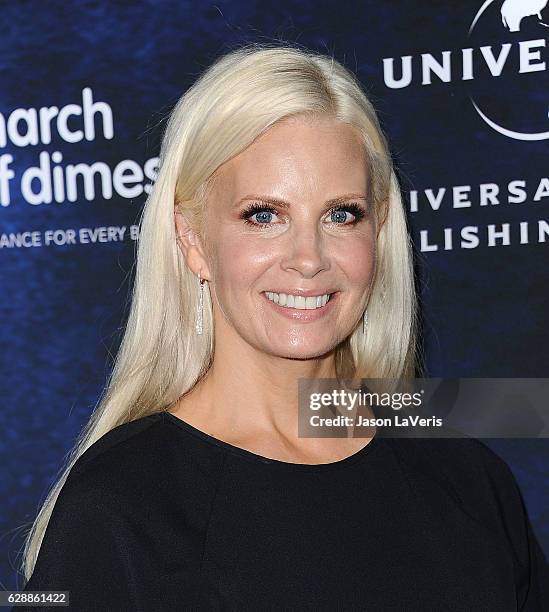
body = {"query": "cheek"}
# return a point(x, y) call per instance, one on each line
point(356, 257)
point(241, 260)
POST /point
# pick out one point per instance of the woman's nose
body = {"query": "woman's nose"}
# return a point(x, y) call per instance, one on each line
point(306, 252)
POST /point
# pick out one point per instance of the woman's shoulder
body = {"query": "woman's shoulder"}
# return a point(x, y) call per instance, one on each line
point(84, 547)
point(124, 444)
point(477, 480)
point(458, 458)
point(133, 459)
point(468, 472)
point(484, 492)
point(111, 465)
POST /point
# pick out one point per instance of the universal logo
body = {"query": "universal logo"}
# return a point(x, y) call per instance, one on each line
point(520, 27)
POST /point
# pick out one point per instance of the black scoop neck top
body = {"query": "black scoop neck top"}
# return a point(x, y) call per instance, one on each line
point(276, 463)
point(160, 516)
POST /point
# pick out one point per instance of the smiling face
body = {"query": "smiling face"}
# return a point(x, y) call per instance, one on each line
point(291, 214)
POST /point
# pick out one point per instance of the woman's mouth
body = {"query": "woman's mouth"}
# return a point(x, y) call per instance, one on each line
point(298, 307)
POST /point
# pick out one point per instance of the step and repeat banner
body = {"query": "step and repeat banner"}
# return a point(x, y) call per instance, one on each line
point(462, 93)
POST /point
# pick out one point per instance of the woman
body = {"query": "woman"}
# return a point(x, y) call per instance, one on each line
point(189, 487)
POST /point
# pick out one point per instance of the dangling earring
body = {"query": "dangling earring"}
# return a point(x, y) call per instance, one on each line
point(200, 310)
point(364, 321)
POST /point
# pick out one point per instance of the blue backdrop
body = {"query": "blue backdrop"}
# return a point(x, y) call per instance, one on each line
point(461, 91)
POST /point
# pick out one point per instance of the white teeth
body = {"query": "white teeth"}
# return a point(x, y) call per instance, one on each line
point(298, 301)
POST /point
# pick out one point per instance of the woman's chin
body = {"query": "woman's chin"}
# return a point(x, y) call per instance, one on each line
point(303, 350)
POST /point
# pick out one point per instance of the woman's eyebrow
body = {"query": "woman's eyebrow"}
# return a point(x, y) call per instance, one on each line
point(283, 204)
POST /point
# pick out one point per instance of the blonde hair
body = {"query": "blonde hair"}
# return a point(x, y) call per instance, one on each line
point(240, 96)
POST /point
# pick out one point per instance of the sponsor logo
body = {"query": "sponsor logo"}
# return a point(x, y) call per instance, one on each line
point(516, 54)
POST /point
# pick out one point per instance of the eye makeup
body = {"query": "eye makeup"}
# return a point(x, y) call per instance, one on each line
point(254, 208)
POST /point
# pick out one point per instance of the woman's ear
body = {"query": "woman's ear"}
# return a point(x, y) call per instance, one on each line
point(186, 236)
point(189, 244)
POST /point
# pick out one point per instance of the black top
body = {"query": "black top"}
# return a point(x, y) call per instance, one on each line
point(160, 516)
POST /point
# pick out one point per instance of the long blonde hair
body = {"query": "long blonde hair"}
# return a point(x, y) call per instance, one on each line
point(240, 96)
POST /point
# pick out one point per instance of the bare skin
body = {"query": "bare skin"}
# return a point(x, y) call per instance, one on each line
point(249, 396)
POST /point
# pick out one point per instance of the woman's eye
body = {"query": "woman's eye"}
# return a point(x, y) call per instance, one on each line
point(339, 215)
point(263, 215)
